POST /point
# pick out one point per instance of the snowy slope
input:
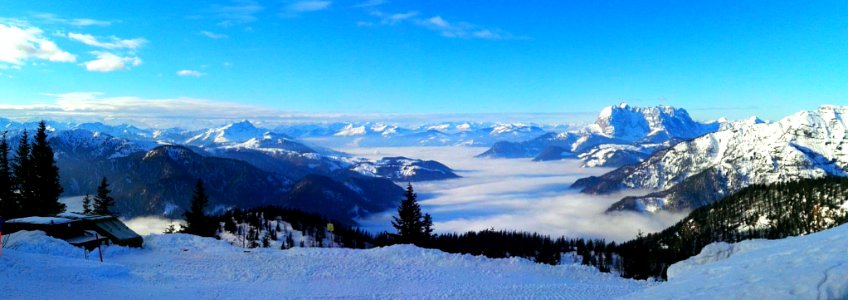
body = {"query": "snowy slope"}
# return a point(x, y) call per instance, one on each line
point(808, 144)
point(181, 266)
point(805, 267)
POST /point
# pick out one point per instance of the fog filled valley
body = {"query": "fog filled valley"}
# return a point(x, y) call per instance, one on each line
point(516, 194)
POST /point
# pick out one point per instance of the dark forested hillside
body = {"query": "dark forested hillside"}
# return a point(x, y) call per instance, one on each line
point(760, 211)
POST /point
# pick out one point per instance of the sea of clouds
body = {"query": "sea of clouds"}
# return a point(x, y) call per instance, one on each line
point(515, 194)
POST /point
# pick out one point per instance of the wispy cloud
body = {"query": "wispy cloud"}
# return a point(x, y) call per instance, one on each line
point(112, 43)
point(371, 3)
point(463, 29)
point(307, 6)
point(190, 73)
point(238, 12)
point(392, 19)
point(109, 62)
point(448, 29)
point(214, 36)
point(20, 43)
point(81, 22)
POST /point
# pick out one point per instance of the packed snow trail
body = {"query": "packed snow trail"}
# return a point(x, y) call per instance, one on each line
point(179, 266)
point(805, 267)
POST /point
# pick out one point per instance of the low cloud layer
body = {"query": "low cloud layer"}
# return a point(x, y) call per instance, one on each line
point(195, 113)
point(152, 225)
point(516, 194)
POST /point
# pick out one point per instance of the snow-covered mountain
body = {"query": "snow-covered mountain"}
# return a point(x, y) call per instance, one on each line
point(621, 135)
point(643, 125)
point(244, 165)
point(405, 169)
point(370, 134)
point(808, 144)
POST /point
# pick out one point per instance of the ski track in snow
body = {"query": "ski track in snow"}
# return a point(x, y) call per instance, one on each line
point(187, 267)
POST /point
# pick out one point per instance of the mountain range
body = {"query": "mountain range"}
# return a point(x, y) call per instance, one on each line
point(691, 174)
point(152, 171)
point(621, 135)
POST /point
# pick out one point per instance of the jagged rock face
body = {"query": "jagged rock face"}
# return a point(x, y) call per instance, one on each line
point(809, 144)
point(648, 124)
point(621, 135)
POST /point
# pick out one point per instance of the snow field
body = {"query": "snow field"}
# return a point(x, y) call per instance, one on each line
point(179, 266)
point(814, 266)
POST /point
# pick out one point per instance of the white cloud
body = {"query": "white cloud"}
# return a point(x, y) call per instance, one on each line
point(108, 62)
point(81, 22)
point(463, 29)
point(191, 73)
point(371, 3)
point(308, 6)
point(154, 113)
point(437, 21)
point(214, 36)
point(396, 18)
point(240, 12)
point(113, 43)
point(438, 24)
point(194, 113)
point(21, 43)
point(516, 194)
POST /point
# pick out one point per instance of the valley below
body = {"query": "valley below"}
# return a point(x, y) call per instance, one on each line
point(515, 194)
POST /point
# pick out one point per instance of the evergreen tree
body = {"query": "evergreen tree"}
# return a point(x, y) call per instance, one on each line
point(102, 200)
point(408, 223)
point(45, 176)
point(8, 201)
point(428, 226)
point(86, 205)
point(197, 222)
point(23, 181)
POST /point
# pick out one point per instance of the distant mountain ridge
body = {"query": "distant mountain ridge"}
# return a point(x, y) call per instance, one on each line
point(621, 135)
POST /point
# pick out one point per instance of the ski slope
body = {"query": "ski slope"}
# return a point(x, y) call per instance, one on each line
point(814, 266)
point(179, 266)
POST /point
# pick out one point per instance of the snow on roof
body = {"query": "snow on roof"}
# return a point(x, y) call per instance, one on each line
point(118, 229)
point(40, 220)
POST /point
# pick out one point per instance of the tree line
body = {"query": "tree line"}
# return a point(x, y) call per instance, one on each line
point(773, 211)
point(29, 178)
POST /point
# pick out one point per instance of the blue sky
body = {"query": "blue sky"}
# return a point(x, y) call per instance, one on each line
point(715, 58)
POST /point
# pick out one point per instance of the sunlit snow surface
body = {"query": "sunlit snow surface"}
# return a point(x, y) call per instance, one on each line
point(805, 267)
point(188, 267)
point(515, 194)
